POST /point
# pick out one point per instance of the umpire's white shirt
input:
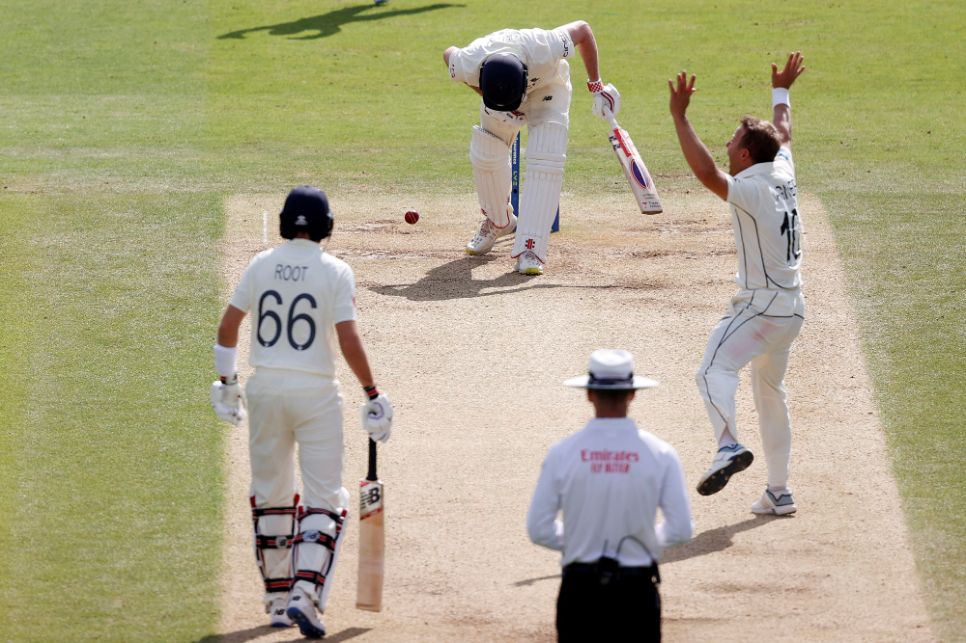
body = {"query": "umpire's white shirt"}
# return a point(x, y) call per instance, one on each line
point(767, 224)
point(609, 479)
point(296, 293)
point(539, 49)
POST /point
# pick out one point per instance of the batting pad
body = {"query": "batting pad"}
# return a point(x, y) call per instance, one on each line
point(274, 530)
point(546, 154)
point(490, 157)
point(315, 552)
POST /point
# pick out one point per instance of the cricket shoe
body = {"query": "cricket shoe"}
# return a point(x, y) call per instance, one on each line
point(775, 504)
point(301, 609)
point(483, 241)
point(727, 462)
point(277, 614)
point(529, 264)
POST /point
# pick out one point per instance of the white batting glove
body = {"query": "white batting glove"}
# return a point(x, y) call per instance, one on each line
point(228, 401)
point(377, 417)
point(607, 100)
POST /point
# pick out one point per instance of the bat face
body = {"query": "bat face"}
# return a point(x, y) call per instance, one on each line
point(372, 545)
point(636, 172)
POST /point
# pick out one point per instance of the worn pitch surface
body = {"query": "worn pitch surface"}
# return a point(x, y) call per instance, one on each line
point(473, 356)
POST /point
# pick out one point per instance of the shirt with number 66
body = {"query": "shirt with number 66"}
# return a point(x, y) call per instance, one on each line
point(296, 294)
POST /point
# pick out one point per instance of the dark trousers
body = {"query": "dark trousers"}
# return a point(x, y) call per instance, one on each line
point(594, 605)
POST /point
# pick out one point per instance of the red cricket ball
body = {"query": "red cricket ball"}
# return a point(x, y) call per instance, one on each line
point(411, 216)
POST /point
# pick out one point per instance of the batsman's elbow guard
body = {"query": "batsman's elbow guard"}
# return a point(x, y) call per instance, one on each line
point(228, 402)
point(377, 417)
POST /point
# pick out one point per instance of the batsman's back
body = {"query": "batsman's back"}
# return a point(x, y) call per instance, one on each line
point(296, 293)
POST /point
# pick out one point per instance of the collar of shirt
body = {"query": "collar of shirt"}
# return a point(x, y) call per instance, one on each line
point(304, 245)
point(611, 424)
point(757, 168)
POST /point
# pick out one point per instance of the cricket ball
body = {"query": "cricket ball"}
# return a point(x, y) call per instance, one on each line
point(411, 217)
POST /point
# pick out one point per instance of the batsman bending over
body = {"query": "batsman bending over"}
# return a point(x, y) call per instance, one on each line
point(767, 313)
point(303, 301)
point(524, 78)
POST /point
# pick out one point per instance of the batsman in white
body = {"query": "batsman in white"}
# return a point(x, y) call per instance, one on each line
point(303, 301)
point(767, 313)
point(524, 78)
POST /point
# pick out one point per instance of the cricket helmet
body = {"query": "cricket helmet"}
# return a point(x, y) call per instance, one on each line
point(503, 81)
point(306, 209)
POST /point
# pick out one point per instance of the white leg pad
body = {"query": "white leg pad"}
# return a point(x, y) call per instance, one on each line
point(316, 550)
point(540, 198)
point(490, 157)
point(274, 533)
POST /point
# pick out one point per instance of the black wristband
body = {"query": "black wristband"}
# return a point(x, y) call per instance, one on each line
point(371, 391)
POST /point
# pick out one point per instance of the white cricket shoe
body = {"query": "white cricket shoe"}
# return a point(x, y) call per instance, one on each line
point(276, 612)
point(487, 235)
point(529, 264)
point(727, 462)
point(775, 504)
point(301, 609)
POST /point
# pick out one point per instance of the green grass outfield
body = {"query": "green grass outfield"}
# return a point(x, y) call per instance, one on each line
point(122, 126)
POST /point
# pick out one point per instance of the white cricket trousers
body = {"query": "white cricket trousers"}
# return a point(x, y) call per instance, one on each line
point(286, 408)
point(760, 329)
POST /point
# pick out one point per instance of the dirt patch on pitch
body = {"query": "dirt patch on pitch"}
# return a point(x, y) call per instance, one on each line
point(473, 356)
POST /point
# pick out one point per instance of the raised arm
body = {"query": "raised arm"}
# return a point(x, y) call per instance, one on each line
point(781, 81)
point(695, 152)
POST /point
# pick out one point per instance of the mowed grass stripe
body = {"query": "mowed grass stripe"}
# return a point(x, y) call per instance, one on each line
point(115, 499)
point(909, 284)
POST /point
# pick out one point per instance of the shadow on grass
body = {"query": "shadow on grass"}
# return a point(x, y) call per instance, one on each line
point(329, 24)
point(253, 633)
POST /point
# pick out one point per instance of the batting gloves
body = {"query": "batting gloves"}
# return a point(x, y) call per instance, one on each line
point(377, 415)
point(228, 401)
point(607, 100)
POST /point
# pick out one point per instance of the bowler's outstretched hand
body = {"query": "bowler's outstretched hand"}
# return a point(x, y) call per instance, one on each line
point(681, 93)
point(794, 68)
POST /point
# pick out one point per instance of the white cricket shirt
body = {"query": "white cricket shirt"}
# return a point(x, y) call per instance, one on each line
point(539, 49)
point(296, 294)
point(609, 479)
point(767, 224)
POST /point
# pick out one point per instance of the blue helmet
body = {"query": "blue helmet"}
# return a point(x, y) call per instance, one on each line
point(306, 209)
point(503, 81)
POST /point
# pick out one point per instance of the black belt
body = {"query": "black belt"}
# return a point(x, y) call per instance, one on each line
point(606, 568)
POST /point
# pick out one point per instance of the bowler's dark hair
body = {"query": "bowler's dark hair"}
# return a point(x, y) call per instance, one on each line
point(761, 139)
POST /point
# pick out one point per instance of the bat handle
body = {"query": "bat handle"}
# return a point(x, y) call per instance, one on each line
point(372, 475)
point(613, 122)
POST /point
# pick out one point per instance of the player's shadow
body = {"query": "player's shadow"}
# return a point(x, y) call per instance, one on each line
point(252, 633)
point(707, 542)
point(714, 540)
point(454, 280)
point(329, 24)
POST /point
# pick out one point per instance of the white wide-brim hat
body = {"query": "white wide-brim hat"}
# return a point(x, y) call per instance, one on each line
point(611, 369)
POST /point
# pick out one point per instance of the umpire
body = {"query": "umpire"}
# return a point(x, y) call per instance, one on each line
point(608, 480)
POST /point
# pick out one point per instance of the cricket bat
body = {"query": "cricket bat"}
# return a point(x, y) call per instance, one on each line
point(634, 169)
point(372, 538)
